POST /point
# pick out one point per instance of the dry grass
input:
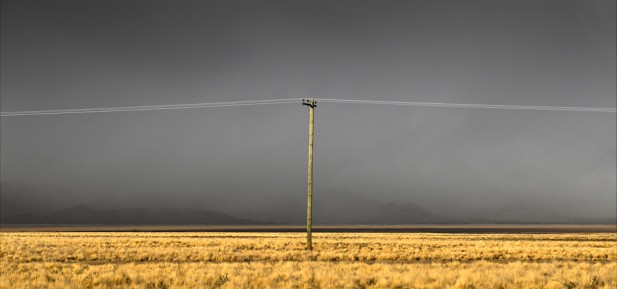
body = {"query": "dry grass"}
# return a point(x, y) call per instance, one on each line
point(278, 260)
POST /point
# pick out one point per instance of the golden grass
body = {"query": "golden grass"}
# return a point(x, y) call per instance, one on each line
point(278, 260)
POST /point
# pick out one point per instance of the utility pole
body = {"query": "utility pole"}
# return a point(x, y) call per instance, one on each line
point(311, 103)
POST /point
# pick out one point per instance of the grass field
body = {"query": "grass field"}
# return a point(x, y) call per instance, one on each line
point(278, 260)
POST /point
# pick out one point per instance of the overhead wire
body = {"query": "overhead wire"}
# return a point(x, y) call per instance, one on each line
point(295, 100)
point(150, 107)
point(496, 106)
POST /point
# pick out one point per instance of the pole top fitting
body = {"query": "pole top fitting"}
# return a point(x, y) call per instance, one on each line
point(310, 102)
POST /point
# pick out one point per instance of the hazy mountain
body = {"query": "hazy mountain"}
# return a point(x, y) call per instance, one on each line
point(527, 215)
point(346, 208)
point(15, 199)
point(82, 215)
point(18, 205)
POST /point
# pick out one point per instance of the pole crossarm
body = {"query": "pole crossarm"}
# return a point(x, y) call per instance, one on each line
point(309, 102)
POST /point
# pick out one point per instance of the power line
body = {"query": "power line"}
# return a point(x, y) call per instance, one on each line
point(150, 107)
point(296, 100)
point(497, 106)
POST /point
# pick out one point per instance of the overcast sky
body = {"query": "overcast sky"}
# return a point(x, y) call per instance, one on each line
point(453, 161)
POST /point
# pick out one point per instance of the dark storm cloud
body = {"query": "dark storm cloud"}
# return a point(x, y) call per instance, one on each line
point(459, 162)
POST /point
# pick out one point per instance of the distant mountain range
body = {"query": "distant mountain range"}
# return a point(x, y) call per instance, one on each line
point(341, 208)
point(329, 209)
point(336, 208)
point(82, 215)
point(346, 208)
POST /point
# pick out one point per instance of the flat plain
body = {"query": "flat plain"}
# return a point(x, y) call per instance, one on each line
point(278, 260)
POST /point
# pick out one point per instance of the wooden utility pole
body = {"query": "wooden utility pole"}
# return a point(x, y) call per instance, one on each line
point(311, 103)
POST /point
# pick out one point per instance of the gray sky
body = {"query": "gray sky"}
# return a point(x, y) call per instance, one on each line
point(453, 161)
